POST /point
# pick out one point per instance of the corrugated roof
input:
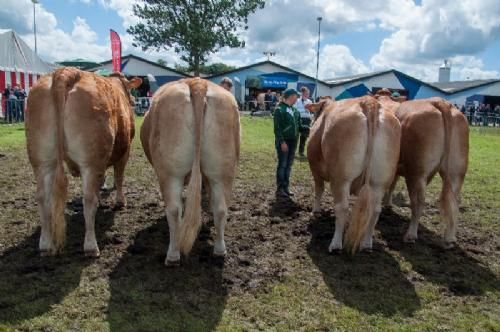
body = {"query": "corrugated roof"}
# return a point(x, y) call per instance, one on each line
point(457, 86)
point(346, 79)
point(132, 56)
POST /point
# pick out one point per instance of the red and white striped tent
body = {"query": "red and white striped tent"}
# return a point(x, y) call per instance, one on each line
point(19, 65)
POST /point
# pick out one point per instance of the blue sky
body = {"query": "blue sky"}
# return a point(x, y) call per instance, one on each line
point(357, 36)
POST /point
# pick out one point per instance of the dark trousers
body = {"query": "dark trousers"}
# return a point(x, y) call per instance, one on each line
point(285, 162)
point(304, 134)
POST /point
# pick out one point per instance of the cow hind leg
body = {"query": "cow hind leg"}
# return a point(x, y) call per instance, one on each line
point(319, 188)
point(449, 208)
point(91, 184)
point(45, 178)
point(377, 196)
point(218, 195)
point(119, 171)
point(341, 199)
point(416, 191)
point(171, 188)
point(387, 201)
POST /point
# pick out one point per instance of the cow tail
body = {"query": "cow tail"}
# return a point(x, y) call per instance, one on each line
point(62, 82)
point(448, 200)
point(363, 210)
point(188, 230)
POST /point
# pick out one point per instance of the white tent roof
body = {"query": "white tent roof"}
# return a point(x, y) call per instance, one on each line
point(15, 55)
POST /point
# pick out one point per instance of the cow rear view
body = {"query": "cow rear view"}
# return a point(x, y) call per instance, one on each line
point(86, 122)
point(354, 145)
point(435, 139)
point(192, 130)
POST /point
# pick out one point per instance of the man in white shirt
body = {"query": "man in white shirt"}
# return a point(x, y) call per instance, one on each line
point(305, 118)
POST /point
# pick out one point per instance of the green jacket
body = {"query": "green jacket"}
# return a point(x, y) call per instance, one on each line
point(286, 122)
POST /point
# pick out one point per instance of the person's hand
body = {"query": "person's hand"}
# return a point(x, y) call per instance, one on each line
point(284, 147)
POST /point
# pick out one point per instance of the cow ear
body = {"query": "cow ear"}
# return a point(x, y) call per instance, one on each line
point(134, 83)
point(313, 108)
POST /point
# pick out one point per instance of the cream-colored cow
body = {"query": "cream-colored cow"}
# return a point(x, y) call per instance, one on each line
point(435, 139)
point(354, 145)
point(192, 129)
point(87, 122)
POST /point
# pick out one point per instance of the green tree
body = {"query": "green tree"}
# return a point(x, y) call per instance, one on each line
point(211, 69)
point(161, 62)
point(216, 68)
point(193, 28)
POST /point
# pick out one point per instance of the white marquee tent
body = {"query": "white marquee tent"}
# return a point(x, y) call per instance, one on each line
point(19, 65)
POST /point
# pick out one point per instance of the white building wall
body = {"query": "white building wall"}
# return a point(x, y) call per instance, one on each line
point(427, 92)
point(487, 90)
point(388, 80)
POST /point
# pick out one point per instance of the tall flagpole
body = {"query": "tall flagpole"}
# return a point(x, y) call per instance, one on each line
point(317, 57)
point(34, 22)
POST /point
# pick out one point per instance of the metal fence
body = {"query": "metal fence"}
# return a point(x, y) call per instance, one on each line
point(483, 119)
point(13, 110)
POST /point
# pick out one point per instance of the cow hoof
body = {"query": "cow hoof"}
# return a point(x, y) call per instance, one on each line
point(367, 250)
point(409, 239)
point(316, 213)
point(172, 263)
point(334, 248)
point(449, 245)
point(119, 206)
point(221, 253)
point(47, 253)
point(92, 253)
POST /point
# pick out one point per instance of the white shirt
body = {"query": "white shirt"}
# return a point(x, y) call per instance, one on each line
point(300, 105)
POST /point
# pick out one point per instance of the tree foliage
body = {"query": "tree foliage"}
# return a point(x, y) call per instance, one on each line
point(193, 28)
point(161, 62)
point(211, 69)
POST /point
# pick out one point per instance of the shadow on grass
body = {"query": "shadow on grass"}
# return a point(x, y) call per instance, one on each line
point(372, 283)
point(454, 269)
point(147, 296)
point(30, 284)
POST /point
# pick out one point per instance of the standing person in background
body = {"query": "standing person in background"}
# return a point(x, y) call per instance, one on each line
point(274, 100)
point(286, 131)
point(5, 98)
point(21, 96)
point(268, 98)
point(226, 83)
point(305, 118)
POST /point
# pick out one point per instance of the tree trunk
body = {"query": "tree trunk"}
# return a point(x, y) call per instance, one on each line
point(196, 67)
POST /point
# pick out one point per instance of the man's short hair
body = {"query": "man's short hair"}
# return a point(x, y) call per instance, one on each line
point(226, 80)
point(304, 89)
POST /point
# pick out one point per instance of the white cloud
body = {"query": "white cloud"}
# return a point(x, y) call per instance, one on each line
point(54, 44)
point(441, 29)
point(421, 35)
point(123, 8)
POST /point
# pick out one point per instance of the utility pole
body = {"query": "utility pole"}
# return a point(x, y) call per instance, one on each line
point(317, 57)
point(34, 22)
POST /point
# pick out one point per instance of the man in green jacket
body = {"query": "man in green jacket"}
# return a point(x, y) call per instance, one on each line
point(286, 132)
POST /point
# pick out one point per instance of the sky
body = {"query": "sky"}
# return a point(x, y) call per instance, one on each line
point(413, 36)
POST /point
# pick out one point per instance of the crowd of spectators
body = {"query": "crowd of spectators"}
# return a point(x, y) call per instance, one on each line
point(13, 104)
point(481, 114)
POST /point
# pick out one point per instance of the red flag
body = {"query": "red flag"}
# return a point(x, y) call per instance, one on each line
point(116, 50)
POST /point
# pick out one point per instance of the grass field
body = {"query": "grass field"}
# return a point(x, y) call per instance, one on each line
point(277, 275)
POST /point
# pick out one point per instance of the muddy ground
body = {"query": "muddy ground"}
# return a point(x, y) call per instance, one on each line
point(269, 242)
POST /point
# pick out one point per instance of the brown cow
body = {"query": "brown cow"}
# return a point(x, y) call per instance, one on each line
point(86, 121)
point(354, 144)
point(192, 129)
point(435, 138)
